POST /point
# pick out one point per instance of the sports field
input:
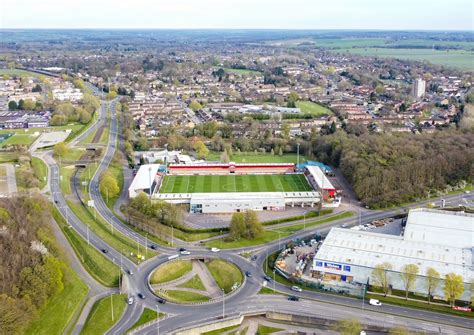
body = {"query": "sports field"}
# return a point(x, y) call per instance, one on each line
point(235, 183)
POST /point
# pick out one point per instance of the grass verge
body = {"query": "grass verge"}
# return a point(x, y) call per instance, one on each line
point(147, 316)
point(170, 271)
point(263, 330)
point(184, 296)
point(221, 331)
point(225, 274)
point(195, 283)
point(100, 318)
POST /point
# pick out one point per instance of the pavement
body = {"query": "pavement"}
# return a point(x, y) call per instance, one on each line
point(245, 299)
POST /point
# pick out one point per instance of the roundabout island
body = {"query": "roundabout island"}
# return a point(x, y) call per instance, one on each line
point(195, 280)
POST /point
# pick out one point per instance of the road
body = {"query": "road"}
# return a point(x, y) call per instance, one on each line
point(245, 299)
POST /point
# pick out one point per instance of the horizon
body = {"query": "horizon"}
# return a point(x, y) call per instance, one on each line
point(392, 15)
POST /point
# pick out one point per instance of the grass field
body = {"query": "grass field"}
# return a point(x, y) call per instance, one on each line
point(147, 316)
point(195, 283)
point(40, 170)
point(100, 317)
point(235, 183)
point(184, 296)
point(170, 271)
point(225, 274)
point(316, 110)
point(460, 59)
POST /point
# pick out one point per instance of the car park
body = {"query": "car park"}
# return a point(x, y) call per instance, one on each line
point(296, 289)
point(293, 298)
point(375, 302)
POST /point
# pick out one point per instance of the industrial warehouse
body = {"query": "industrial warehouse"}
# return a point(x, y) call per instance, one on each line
point(227, 188)
point(436, 239)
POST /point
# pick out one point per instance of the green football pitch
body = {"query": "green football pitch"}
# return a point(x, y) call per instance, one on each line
point(235, 183)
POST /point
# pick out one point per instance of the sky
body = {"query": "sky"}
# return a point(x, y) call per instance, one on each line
point(239, 14)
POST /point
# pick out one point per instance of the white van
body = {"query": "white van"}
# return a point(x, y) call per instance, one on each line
point(375, 302)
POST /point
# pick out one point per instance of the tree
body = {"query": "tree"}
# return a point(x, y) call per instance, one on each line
point(224, 157)
point(348, 327)
point(380, 276)
point(280, 151)
point(12, 105)
point(111, 95)
point(237, 226)
point(453, 287)
point(108, 186)
point(409, 273)
point(201, 150)
point(195, 105)
point(432, 279)
point(60, 150)
point(37, 88)
point(285, 130)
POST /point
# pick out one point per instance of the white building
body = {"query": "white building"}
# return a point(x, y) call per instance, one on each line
point(438, 239)
point(68, 94)
point(144, 181)
point(419, 87)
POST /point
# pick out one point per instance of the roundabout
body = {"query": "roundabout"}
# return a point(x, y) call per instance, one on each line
point(195, 280)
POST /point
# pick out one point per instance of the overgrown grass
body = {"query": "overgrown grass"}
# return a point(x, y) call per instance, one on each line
point(225, 274)
point(170, 271)
point(98, 266)
point(251, 157)
point(100, 318)
point(115, 169)
point(295, 228)
point(267, 290)
point(309, 215)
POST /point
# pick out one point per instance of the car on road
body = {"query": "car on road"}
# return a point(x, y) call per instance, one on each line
point(130, 272)
point(105, 251)
point(296, 289)
point(185, 252)
point(293, 298)
point(467, 192)
point(215, 249)
point(130, 300)
point(161, 301)
point(253, 258)
point(267, 278)
point(153, 247)
point(141, 295)
point(248, 274)
point(181, 249)
point(375, 302)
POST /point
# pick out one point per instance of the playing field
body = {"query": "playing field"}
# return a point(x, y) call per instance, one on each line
point(235, 183)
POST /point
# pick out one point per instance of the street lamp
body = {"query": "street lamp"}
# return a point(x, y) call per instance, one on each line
point(158, 319)
point(223, 303)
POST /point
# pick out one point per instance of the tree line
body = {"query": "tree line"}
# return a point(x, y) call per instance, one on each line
point(30, 270)
point(390, 169)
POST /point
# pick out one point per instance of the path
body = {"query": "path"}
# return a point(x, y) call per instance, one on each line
point(207, 279)
point(9, 180)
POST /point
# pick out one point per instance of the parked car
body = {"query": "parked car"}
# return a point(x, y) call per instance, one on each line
point(248, 274)
point(185, 252)
point(161, 301)
point(375, 302)
point(141, 295)
point(293, 298)
point(296, 289)
point(267, 278)
point(215, 249)
point(130, 300)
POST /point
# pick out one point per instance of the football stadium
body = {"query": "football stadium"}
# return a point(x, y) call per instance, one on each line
point(227, 188)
